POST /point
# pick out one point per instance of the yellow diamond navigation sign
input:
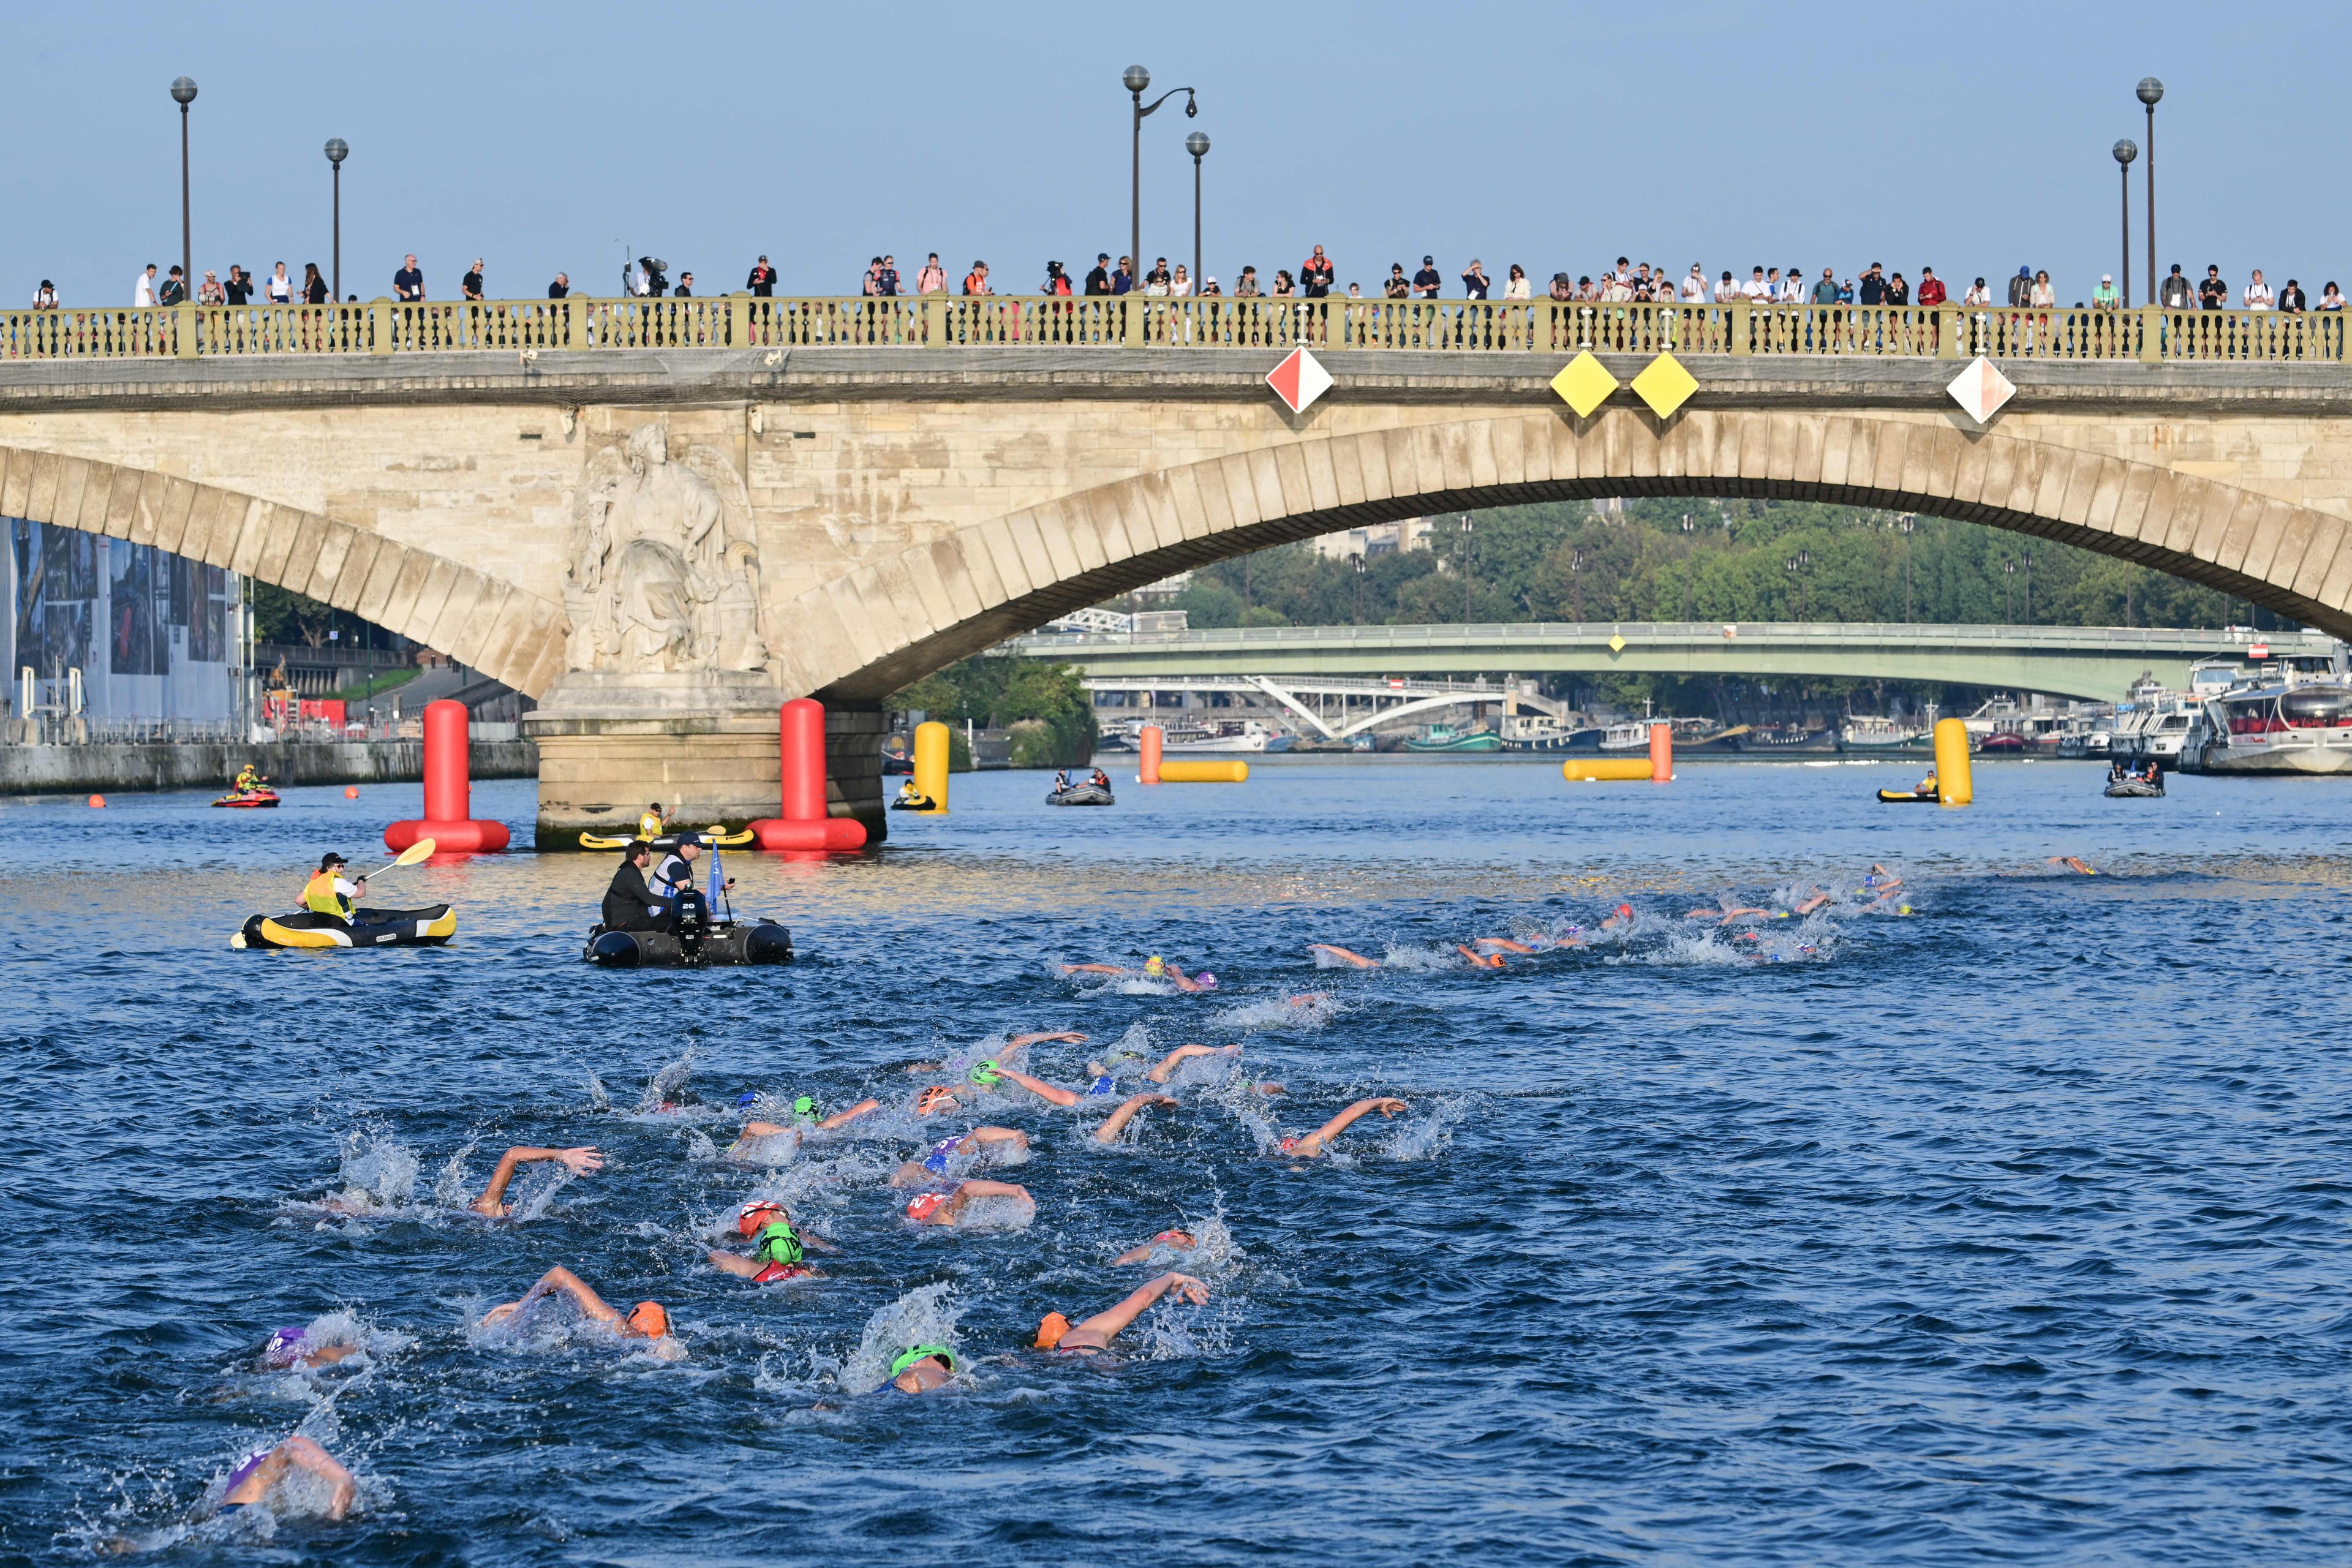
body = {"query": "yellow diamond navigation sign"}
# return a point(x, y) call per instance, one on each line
point(1585, 384)
point(1616, 645)
point(1666, 386)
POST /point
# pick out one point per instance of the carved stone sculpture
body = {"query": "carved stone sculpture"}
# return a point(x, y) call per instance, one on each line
point(665, 571)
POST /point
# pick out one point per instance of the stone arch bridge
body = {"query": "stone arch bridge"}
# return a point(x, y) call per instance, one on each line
point(660, 543)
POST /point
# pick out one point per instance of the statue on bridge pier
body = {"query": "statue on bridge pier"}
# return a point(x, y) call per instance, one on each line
point(665, 568)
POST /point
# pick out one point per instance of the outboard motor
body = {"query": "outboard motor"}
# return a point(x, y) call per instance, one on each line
point(693, 926)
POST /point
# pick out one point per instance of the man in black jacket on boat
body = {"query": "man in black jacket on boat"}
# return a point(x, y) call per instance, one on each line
point(629, 903)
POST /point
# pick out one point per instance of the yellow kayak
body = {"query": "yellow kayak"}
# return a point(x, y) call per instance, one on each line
point(715, 834)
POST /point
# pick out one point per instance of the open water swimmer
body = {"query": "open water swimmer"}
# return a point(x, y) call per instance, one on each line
point(646, 1320)
point(261, 1473)
point(579, 1162)
point(935, 1163)
point(1167, 1240)
point(946, 1205)
point(779, 1250)
point(1342, 955)
point(1308, 1145)
point(1092, 1336)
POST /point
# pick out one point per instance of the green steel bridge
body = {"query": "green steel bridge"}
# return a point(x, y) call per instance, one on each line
point(2099, 663)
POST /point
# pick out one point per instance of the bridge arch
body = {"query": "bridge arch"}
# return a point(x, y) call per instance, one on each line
point(891, 621)
point(501, 630)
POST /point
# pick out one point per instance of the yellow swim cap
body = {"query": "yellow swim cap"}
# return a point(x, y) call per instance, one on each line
point(1155, 965)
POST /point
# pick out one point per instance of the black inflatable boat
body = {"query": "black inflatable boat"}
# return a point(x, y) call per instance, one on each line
point(698, 942)
point(1081, 794)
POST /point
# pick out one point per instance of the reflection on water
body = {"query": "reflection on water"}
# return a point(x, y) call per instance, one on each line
point(2010, 1227)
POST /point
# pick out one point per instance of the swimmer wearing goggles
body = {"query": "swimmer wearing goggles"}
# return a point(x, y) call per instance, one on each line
point(779, 1251)
point(919, 1369)
point(255, 1475)
point(1173, 1240)
point(747, 1144)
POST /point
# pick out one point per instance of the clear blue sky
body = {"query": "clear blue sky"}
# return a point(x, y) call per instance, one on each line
point(1970, 137)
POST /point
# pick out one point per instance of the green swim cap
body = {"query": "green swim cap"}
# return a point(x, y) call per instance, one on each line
point(778, 1244)
point(805, 1108)
point(910, 1357)
point(986, 1076)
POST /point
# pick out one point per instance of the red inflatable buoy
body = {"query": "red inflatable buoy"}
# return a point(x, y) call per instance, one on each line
point(350, 792)
point(447, 791)
point(98, 803)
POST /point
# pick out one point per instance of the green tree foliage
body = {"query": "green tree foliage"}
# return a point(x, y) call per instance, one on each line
point(1046, 706)
point(1561, 562)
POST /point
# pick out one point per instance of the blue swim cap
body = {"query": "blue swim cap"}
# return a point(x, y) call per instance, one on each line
point(750, 1095)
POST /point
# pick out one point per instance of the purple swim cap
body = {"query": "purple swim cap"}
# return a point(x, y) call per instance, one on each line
point(1205, 981)
point(245, 1467)
point(282, 1348)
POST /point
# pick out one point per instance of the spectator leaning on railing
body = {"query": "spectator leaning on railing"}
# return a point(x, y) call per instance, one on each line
point(2258, 293)
point(2213, 294)
point(408, 283)
point(2176, 293)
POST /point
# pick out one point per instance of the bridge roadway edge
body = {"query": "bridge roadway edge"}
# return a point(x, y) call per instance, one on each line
point(652, 377)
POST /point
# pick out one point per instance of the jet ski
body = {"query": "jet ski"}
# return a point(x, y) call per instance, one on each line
point(249, 799)
point(697, 942)
point(1083, 794)
point(429, 927)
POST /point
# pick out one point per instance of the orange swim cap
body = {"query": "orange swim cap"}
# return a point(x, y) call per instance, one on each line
point(648, 1319)
point(923, 1207)
point(933, 1098)
point(758, 1214)
point(1050, 1329)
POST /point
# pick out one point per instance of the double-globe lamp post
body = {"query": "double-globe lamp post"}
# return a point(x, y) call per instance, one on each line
point(183, 93)
point(2149, 90)
point(1137, 79)
point(2125, 153)
point(337, 151)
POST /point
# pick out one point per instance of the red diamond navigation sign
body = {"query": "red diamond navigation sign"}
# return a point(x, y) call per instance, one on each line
point(1299, 380)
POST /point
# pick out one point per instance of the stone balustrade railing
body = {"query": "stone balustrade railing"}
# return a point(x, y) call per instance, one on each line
point(385, 327)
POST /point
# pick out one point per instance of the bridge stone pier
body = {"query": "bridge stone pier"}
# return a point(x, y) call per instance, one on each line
point(662, 544)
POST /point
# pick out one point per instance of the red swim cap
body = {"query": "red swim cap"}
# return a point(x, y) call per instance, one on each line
point(923, 1207)
point(757, 1214)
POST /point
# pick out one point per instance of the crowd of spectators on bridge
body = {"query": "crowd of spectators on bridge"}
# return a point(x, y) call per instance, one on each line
point(1315, 278)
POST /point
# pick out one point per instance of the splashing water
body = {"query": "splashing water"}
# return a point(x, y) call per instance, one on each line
point(924, 1316)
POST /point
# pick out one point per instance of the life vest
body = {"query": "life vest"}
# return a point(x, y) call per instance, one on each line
point(649, 825)
point(320, 898)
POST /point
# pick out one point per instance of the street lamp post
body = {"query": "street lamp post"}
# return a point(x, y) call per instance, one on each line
point(1688, 529)
point(337, 151)
point(183, 93)
point(1360, 589)
point(1197, 145)
point(1137, 79)
point(1465, 571)
point(1906, 522)
point(2125, 153)
point(2150, 89)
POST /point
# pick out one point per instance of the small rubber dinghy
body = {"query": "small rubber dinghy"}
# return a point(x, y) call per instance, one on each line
point(1905, 797)
point(248, 799)
point(912, 803)
point(2134, 789)
point(1081, 794)
point(428, 927)
point(724, 943)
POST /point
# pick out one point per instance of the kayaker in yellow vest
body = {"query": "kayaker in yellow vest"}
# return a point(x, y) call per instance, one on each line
point(328, 893)
point(653, 824)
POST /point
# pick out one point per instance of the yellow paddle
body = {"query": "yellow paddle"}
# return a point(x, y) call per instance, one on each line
point(421, 850)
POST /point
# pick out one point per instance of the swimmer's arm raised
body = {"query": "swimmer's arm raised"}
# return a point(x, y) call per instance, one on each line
point(1067, 1037)
point(1341, 953)
point(1038, 1087)
point(1118, 1120)
point(1314, 1143)
point(844, 1117)
point(579, 1162)
point(1098, 1331)
point(1183, 1053)
point(558, 1279)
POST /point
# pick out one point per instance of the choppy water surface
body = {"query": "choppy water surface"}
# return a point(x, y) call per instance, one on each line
point(2012, 1229)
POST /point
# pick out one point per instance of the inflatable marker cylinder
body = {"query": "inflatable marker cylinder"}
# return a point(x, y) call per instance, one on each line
point(1595, 770)
point(1204, 772)
point(931, 765)
point(806, 822)
point(1662, 754)
point(448, 790)
point(800, 735)
point(1148, 743)
point(1953, 784)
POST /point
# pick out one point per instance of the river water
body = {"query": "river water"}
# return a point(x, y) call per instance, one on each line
point(2009, 1229)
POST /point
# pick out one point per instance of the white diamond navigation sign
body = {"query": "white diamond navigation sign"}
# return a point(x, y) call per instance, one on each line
point(1299, 380)
point(1981, 390)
